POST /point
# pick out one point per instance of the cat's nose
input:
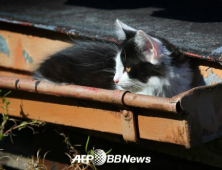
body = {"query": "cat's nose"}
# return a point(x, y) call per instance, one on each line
point(116, 81)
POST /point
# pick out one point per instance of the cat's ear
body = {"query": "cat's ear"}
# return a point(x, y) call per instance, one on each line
point(151, 47)
point(124, 31)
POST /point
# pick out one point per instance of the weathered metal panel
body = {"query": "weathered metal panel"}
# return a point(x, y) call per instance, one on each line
point(203, 111)
point(67, 114)
point(25, 52)
point(172, 130)
point(65, 111)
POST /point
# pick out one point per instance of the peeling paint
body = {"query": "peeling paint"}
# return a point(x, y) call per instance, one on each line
point(28, 59)
point(211, 78)
point(218, 50)
point(4, 46)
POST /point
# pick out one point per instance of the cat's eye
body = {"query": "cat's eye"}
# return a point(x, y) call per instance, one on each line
point(128, 69)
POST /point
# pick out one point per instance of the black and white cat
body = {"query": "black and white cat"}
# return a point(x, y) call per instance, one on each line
point(139, 63)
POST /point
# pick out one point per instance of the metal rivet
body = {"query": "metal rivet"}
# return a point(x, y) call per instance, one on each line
point(125, 113)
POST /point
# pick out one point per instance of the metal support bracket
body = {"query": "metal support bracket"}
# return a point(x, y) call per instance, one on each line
point(129, 127)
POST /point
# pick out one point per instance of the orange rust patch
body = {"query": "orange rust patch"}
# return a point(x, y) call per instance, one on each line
point(177, 135)
point(18, 60)
point(163, 129)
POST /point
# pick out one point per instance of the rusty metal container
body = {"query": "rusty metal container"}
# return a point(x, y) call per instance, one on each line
point(189, 119)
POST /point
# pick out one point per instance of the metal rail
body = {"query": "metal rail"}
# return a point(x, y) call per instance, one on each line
point(118, 97)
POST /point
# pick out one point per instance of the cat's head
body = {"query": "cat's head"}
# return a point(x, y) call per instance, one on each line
point(139, 59)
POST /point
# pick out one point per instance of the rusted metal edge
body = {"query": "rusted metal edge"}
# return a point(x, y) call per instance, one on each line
point(203, 111)
point(118, 97)
point(75, 33)
point(208, 58)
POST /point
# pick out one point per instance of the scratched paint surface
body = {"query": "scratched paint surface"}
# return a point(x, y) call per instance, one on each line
point(25, 52)
point(28, 58)
point(212, 78)
point(210, 74)
point(4, 46)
